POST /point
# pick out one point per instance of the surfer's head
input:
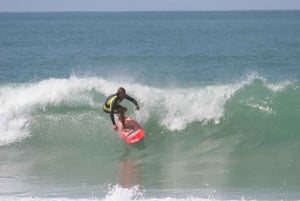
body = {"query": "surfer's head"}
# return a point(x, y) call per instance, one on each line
point(121, 92)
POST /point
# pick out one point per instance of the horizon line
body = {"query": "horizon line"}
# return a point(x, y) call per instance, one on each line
point(142, 11)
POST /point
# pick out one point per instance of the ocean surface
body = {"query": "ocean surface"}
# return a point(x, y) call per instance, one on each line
point(219, 95)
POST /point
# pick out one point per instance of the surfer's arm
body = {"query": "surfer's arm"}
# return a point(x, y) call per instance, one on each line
point(133, 101)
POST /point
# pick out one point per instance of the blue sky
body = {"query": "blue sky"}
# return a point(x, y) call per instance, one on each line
point(144, 5)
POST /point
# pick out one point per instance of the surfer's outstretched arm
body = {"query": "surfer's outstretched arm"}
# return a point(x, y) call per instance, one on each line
point(133, 101)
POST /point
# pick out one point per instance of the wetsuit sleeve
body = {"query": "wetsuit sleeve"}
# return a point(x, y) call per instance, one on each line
point(113, 108)
point(132, 100)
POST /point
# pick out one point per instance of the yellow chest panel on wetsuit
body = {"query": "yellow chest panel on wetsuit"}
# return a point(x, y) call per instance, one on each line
point(108, 105)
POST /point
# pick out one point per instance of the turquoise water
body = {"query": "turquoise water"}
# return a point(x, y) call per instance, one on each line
point(219, 95)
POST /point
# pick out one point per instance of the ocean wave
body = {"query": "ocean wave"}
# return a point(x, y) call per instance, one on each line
point(174, 108)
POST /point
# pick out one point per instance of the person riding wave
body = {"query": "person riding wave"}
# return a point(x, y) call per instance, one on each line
point(112, 106)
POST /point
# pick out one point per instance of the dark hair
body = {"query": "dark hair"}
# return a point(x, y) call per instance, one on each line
point(121, 90)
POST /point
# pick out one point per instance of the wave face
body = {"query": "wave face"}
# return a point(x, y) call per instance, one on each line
point(24, 106)
point(244, 134)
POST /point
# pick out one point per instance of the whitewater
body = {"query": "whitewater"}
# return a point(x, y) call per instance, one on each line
point(176, 107)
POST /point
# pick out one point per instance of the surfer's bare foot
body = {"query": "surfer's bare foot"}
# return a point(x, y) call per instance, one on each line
point(126, 128)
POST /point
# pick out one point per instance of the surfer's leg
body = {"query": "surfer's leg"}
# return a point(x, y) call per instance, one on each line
point(121, 111)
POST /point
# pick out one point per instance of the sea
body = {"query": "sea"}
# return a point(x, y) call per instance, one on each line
point(219, 96)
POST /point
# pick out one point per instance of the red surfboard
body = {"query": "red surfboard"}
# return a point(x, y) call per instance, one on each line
point(133, 133)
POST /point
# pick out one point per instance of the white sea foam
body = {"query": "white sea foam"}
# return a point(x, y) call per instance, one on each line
point(274, 87)
point(19, 101)
point(114, 198)
point(116, 193)
point(277, 87)
point(184, 106)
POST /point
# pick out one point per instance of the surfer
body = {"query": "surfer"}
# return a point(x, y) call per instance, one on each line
point(112, 106)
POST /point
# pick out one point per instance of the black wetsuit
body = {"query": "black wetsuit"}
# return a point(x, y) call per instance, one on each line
point(111, 105)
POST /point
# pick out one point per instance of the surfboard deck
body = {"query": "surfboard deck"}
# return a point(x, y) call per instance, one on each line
point(133, 133)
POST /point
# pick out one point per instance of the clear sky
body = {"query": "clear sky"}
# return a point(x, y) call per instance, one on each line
point(145, 5)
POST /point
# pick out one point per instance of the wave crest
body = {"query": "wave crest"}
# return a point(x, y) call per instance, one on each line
point(175, 108)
